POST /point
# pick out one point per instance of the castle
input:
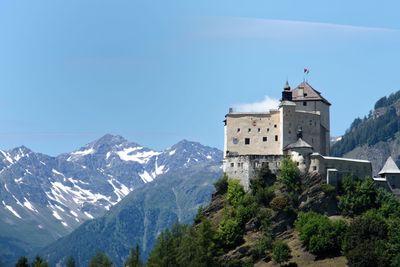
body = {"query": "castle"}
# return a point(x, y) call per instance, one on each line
point(299, 128)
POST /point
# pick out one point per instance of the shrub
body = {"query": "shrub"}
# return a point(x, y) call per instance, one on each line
point(328, 189)
point(281, 253)
point(289, 174)
point(235, 193)
point(319, 234)
point(261, 247)
point(359, 196)
point(279, 203)
point(230, 232)
point(221, 185)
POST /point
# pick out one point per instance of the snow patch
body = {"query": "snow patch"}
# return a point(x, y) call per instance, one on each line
point(89, 215)
point(6, 155)
point(81, 153)
point(146, 177)
point(73, 213)
point(140, 157)
point(19, 180)
point(172, 152)
point(57, 172)
point(11, 210)
point(29, 206)
point(56, 215)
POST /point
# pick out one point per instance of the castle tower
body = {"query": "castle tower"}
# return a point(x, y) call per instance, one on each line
point(308, 99)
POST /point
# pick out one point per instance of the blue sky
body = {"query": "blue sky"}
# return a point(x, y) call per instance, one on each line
point(157, 72)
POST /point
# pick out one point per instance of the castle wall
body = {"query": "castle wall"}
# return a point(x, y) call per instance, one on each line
point(244, 168)
point(261, 130)
point(359, 168)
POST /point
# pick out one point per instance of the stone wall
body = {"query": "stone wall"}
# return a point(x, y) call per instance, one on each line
point(359, 168)
point(244, 168)
point(262, 130)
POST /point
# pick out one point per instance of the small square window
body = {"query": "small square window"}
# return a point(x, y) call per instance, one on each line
point(247, 141)
point(232, 164)
point(249, 130)
point(304, 103)
point(314, 168)
point(275, 126)
point(259, 129)
point(276, 138)
point(238, 130)
point(264, 139)
point(267, 129)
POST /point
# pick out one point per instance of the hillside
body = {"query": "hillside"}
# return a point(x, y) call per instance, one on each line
point(139, 217)
point(45, 198)
point(293, 219)
point(376, 136)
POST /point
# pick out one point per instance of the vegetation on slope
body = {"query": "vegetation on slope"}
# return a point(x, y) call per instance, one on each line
point(380, 125)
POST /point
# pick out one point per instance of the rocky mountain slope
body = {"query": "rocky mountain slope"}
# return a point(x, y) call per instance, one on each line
point(48, 197)
point(376, 136)
point(140, 217)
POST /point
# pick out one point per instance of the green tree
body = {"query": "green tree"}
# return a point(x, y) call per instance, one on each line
point(39, 262)
point(133, 259)
point(289, 174)
point(319, 234)
point(100, 259)
point(235, 193)
point(221, 185)
point(22, 262)
point(166, 250)
point(365, 242)
point(70, 262)
point(281, 252)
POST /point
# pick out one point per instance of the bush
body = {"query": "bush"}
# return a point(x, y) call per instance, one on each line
point(358, 196)
point(235, 193)
point(221, 185)
point(261, 247)
point(289, 174)
point(281, 252)
point(319, 234)
point(230, 232)
point(328, 189)
point(279, 203)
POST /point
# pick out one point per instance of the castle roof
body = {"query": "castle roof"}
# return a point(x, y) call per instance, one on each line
point(300, 143)
point(308, 94)
point(389, 167)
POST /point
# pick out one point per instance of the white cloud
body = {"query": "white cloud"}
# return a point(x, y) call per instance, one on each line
point(285, 30)
point(260, 106)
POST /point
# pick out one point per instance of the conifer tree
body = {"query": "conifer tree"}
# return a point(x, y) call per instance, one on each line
point(100, 259)
point(22, 262)
point(134, 258)
point(70, 262)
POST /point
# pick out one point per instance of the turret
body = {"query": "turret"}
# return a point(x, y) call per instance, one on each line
point(286, 93)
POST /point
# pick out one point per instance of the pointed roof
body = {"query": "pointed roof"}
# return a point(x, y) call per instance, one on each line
point(300, 143)
point(389, 167)
point(309, 93)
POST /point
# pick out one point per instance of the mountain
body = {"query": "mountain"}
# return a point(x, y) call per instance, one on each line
point(376, 136)
point(44, 198)
point(140, 217)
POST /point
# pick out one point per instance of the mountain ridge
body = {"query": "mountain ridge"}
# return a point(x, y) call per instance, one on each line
point(50, 196)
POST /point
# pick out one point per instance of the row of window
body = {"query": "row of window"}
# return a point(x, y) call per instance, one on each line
point(258, 129)
point(247, 140)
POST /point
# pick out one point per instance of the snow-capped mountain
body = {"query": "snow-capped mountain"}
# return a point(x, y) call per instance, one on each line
point(51, 196)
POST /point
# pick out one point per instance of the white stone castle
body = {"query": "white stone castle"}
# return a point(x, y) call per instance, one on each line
point(299, 128)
